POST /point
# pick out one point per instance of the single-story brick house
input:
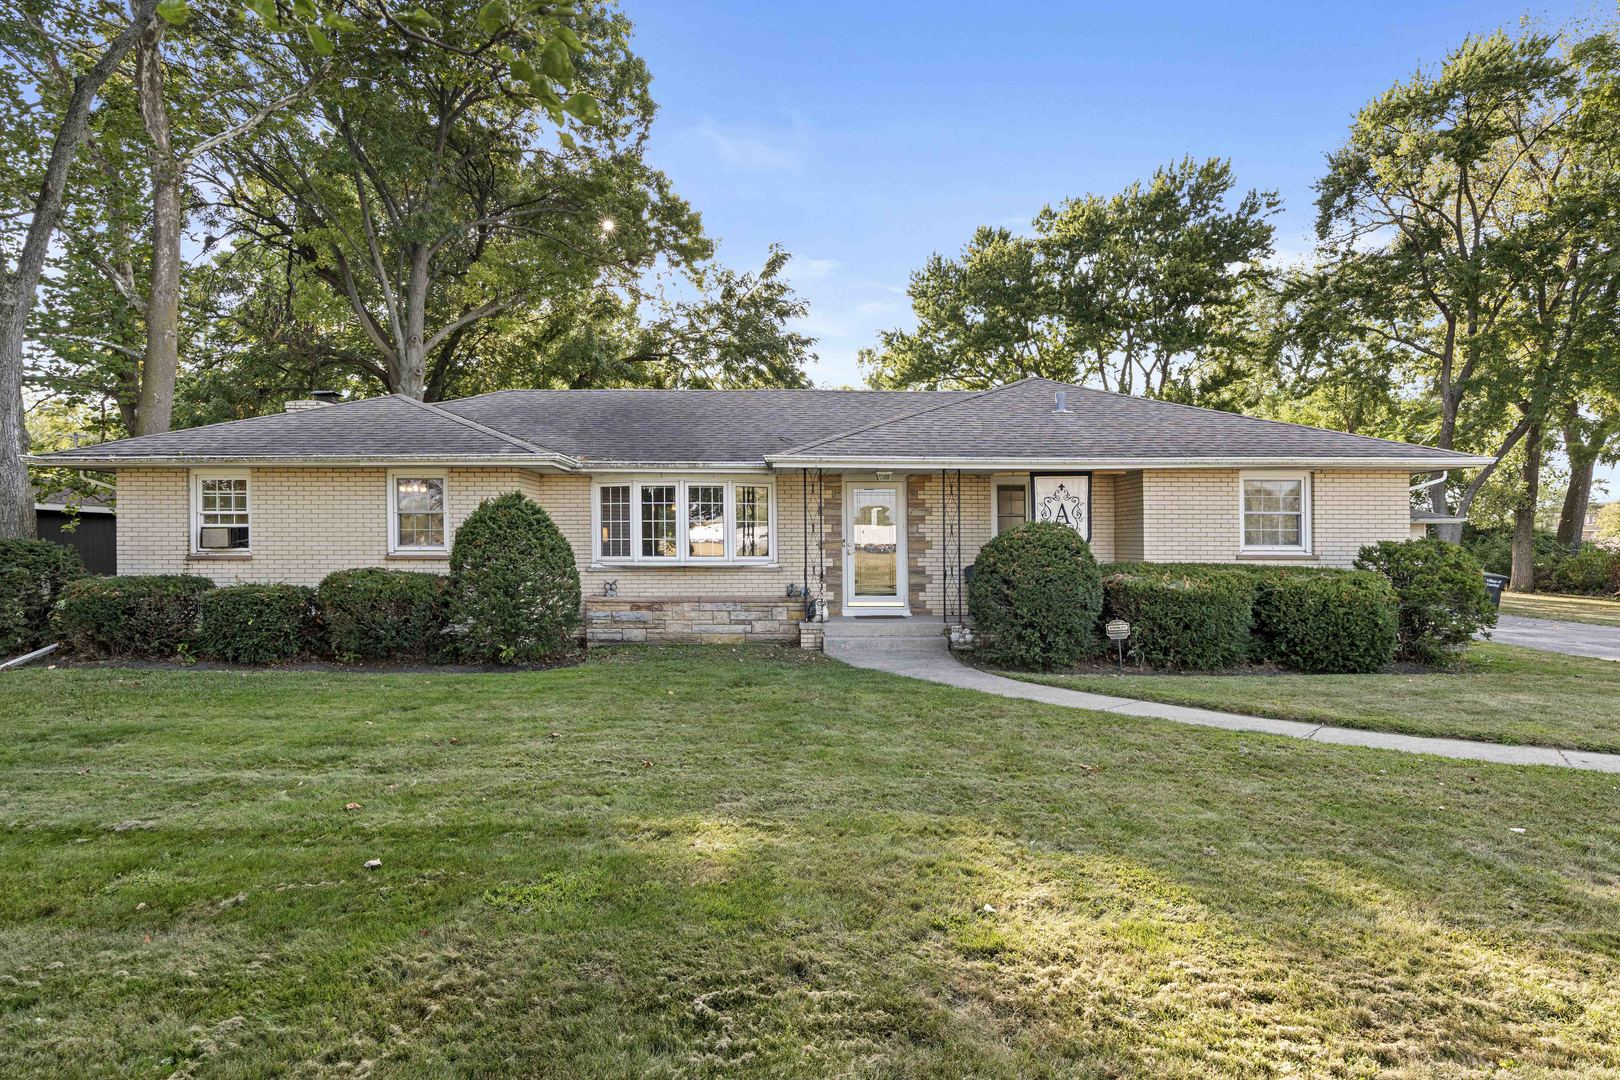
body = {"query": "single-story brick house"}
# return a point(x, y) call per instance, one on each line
point(725, 514)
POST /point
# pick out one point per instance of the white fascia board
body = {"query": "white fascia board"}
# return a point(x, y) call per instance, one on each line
point(595, 467)
point(557, 462)
point(1461, 461)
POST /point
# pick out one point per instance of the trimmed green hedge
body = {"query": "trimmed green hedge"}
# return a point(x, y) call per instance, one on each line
point(375, 614)
point(1443, 601)
point(1035, 597)
point(130, 616)
point(1182, 616)
point(1341, 622)
point(32, 576)
point(256, 624)
point(514, 589)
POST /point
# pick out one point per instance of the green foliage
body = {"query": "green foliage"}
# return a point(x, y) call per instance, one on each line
point(514, 589)
point(1328, 623)
point(1189, 616)
point(1591, 571)
point(1129, 290)
point(375, 614)
point(256, 624)
point(1608, 522)
point(1035, 597)
point(32, 575)
point(1443, 601)
point(151, 616)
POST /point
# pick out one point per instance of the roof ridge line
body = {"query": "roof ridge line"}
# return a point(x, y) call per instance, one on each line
point(1256, 419)
point(533, 448)
point(812, 444)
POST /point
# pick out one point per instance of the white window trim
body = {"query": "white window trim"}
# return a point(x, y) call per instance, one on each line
point(197, 478)
point(1001, 480)
point(681, 557)
point(1305, 500)
point(394, 546)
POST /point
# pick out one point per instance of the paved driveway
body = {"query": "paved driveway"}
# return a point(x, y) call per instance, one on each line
point(1555, 635)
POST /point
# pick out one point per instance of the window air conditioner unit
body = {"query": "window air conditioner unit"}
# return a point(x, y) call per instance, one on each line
point(215, 538)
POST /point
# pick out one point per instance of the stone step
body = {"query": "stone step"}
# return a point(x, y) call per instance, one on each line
point(848, 629)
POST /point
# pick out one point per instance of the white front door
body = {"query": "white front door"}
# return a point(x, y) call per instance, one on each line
point(875, 548)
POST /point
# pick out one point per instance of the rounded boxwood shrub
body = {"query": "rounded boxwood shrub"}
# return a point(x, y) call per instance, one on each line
point(1035, 597)
point(1183, 617)
point(32, 575)
point(130, 616)
point(376, 614)
point(1441, 588)
point(514, 590)
point(256, 624)
point(1342, 622)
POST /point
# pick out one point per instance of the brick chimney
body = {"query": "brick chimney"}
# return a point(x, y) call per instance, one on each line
point(318, 399)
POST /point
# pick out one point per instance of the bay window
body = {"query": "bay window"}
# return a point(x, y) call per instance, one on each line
point(694, 521)
point(1276, 512)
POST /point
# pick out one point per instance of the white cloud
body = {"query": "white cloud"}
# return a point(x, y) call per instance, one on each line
point(814, 269)
point(752, 153)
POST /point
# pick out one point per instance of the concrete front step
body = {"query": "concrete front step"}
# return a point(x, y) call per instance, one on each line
point(844, 628)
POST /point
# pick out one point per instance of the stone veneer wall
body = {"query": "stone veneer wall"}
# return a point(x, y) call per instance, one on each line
point(714, 620)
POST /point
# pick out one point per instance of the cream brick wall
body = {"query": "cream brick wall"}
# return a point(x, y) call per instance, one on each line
point(1128, 518)
point(1191, 515)
point(308, 522)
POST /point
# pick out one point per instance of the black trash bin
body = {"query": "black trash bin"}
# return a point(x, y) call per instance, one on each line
point(1494, 583)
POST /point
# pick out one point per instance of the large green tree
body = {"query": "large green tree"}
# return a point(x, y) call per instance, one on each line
point(1433, 220)
point(1131, 291)
point(433, 190)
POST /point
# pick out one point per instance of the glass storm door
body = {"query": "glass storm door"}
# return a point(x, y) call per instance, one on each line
point(875, 564)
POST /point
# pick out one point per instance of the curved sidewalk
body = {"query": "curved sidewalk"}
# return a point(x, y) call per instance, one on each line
point(932, 661)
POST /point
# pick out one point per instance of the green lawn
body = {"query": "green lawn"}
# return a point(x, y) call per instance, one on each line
point(715, 862)
point(1500, 693)
point(1587, 609)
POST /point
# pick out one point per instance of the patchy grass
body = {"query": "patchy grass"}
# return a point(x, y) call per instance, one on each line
point(1498, 693)
point(1586, 609)
point(704, 862)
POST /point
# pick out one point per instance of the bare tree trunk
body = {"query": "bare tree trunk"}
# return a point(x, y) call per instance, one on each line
point(161, 361)
point(1582, 464)
point(19, 288)
point(1523, 578)
point(412, 377)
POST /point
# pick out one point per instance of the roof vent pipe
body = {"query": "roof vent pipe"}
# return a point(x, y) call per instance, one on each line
point(1062, 401)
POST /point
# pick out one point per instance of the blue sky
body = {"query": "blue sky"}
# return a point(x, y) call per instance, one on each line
point(865, 136)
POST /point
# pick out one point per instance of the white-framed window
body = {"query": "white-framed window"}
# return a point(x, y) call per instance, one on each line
point(418, 510)
point(1009, 503)
point(702, 521)
point(1275, 512)
point(221, 512)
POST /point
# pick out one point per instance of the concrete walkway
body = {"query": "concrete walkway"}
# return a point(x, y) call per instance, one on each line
point(931, 660)
point(1557, 635)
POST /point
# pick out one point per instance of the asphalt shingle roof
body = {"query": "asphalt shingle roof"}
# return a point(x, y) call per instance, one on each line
point(379, 428)
point(1021, 420)
point(671, 427)
point(685, 425)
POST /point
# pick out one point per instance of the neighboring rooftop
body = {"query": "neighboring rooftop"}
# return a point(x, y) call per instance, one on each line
point(572, 429)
